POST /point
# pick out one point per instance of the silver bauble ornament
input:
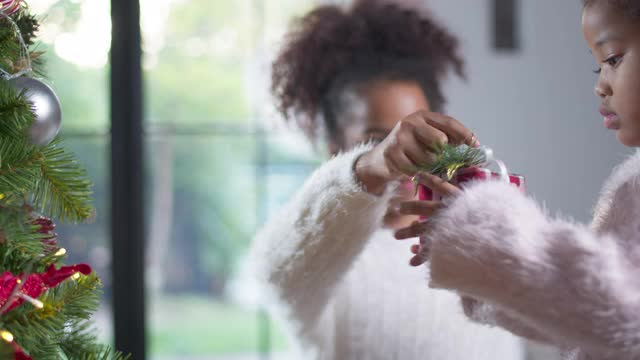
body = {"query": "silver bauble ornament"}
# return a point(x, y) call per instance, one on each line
point(46, 107)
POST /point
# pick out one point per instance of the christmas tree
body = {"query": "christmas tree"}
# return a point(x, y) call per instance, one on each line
point(45, 306)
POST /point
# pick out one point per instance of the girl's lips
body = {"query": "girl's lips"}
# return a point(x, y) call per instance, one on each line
point(611, 119)
point(612, 122)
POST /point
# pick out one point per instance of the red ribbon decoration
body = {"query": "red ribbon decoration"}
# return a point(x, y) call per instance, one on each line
point(36, 284)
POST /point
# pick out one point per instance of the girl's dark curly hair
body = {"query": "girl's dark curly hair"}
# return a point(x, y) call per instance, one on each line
point(331, 49)
point(630, 7)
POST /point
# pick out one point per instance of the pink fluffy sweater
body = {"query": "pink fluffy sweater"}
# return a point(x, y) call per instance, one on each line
point(548, 279)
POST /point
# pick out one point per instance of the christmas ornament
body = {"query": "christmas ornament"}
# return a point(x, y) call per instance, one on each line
point(47, 227)
point(46, 107)
point(15, 290)
point(464, 175)
point(461, 164)
point(9, 6)
point(451, 158)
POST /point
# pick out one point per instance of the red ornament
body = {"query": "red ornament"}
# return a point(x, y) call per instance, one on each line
point(35, 284)
point(47, 227)
point(54, 277)
point(472, 173)
point(9, 6)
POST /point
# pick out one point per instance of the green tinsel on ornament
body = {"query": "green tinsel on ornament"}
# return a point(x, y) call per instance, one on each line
point(450, 158)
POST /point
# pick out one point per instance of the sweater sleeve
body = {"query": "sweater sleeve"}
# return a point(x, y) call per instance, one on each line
point(573, 285)
point(487, 314)
point(302, 253)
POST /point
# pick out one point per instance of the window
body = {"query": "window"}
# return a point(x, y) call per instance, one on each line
point(75, 37)
point(213, 172)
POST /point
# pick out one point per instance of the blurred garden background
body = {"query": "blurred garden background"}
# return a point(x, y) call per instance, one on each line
point(214, 170)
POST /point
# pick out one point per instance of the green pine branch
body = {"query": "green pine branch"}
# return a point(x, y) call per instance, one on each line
point(58, 184)
point(61, 329)
point(63, 189)
point(10, 47)
point(80, 343)
point(28, 25)
point(19, 168)
point(16, 114)
point(450, 158)
point(6, 352)
point(21, 246)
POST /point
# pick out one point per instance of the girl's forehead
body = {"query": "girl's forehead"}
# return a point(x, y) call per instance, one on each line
point(390, 101)
point(603, 22)
point(606, 13)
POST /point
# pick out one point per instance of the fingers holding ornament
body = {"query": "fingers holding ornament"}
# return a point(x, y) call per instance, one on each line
point(416, 229)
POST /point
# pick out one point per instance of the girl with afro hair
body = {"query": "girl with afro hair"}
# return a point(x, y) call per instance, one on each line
point(367, 81)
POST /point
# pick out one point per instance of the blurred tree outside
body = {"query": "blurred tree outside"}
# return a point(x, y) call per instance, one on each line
point(206, 79)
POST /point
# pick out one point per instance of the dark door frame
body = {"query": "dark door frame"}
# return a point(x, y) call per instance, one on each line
point(127, 181)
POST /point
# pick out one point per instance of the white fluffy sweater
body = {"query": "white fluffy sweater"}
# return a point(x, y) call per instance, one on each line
point(345, 287)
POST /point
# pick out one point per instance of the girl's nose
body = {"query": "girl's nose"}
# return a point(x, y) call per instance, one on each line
point(602, 88)
point(600, 92)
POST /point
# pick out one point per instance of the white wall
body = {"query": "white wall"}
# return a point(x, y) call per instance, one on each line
point(536, 107)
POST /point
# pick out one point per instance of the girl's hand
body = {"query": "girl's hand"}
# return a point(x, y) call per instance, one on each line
point(408, 147)
point(426, 209)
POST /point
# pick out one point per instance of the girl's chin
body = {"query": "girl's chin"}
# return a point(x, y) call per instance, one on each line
point(629, 138)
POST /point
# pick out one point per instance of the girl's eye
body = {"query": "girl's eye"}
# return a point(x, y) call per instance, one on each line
point(613, 61)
